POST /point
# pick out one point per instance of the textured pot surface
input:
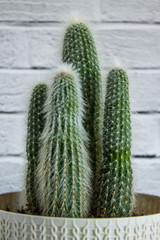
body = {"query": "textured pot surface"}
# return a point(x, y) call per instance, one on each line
point(25, 227)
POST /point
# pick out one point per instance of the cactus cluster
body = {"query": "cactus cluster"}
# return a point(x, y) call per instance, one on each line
point(79, 147)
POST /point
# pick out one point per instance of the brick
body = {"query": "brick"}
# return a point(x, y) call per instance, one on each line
point(145, 90)
point(18, 81)
point(12, 134)
point(146, 134)
point(45, 47)
point(16, 87)
point(146, 175)
point(14, 48)
point(11, 174)
point(11, 103)
point(30, 47)
point(130, 11)
point(145, 128)
point(39, 10)
point(135, 46)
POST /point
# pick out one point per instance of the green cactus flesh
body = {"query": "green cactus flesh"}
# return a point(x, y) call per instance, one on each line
point(34, 130)
point(115, 194)
point(63, 172)
point(79, 50)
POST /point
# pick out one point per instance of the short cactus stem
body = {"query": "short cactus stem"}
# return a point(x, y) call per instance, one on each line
point(115, 197)
point(34, 130)
point(63, 170)
point(79, 49)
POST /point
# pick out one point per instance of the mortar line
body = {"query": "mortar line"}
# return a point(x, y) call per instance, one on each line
point(27, 24)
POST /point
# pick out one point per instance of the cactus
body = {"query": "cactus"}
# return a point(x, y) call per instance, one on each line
point(115, 195)
point(62, 140)
point(79, 49)
point(34, 130)
point(63, 170)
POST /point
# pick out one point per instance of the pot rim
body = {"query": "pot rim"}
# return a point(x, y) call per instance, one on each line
point(91, 219)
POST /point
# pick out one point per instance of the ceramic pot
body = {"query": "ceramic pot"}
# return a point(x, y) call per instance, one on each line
point(17, 226)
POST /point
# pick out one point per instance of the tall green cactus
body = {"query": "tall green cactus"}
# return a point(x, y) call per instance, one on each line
point(115, 197)
point(34, 130)
point(63, 170)
point(79, 49)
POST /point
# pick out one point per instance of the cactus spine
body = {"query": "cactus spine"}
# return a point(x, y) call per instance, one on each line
point(34, 130)
point(63, 170)
point(79, 49)
point(115, 198)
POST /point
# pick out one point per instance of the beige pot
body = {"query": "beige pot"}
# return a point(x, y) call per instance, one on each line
point(16, 226)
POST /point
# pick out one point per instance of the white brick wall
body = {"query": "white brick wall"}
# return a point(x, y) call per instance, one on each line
point(29, 37)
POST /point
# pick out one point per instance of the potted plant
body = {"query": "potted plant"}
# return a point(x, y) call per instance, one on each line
point(79, 180)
